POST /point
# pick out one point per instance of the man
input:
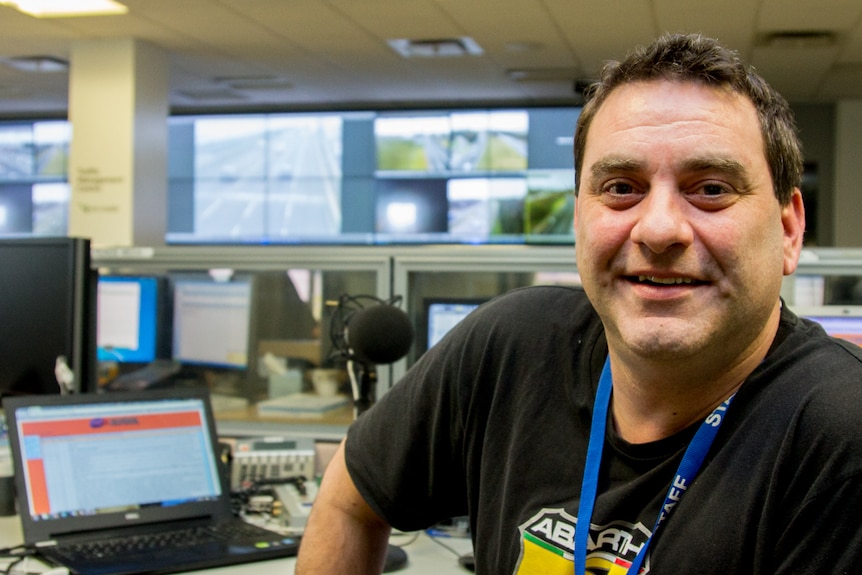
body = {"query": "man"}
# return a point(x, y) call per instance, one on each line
point(674, 413)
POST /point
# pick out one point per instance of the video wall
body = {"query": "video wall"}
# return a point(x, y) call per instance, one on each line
point(473, 176)
point(433, 176)
point(34, 193)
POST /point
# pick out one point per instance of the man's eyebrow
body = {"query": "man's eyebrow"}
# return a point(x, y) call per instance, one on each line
point(612, 165)
point(726, 166)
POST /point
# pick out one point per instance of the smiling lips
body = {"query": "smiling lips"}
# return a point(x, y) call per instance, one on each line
point(665, 281)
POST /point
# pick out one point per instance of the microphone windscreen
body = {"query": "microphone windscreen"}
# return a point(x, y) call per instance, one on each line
point(379, 334)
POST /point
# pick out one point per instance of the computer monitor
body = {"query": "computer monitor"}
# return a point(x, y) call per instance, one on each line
point(841, 322)
point(442, 314)
point(211, 322)
point(16, 208)
point(131, 313)
point(48, 310)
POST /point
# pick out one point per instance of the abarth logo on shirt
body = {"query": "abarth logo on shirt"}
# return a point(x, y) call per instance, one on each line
point(548, 541)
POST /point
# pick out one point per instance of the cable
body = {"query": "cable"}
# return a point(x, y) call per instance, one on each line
point(415, 536)
point(17, 554)
point(8, 568)
point(13, 551)
point(436, 539)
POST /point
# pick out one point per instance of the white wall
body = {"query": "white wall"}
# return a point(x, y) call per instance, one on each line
point(848, 174)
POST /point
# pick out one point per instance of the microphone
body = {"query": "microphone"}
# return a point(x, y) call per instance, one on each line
point(366, 336)
point(379, 334)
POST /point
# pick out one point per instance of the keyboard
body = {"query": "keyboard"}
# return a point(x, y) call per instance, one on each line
point(140, 544)
point(147, 376)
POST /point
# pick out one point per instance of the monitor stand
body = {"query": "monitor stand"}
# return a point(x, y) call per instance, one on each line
point(396, 559)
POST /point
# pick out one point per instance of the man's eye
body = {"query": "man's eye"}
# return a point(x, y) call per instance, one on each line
point(713, 196)
point(619, 188)
point(714, 190)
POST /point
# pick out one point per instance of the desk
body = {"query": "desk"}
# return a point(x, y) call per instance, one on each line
point(426, 557)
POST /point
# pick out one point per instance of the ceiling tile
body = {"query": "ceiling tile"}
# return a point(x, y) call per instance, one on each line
point(795, 72)
point(598, 31)
point(335, 52)
point(808, 14)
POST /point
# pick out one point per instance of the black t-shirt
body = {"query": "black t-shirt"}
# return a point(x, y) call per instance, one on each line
point(493, 422)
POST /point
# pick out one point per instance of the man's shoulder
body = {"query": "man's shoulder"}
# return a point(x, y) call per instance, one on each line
point(816, 381)
point(537, 310)
point(545, 297)
point(806, 347)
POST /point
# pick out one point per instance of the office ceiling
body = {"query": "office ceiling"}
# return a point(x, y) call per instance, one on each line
point(323, 54)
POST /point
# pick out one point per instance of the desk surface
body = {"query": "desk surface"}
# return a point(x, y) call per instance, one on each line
point(426, 557)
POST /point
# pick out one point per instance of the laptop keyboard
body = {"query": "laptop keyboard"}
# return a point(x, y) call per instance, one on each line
point(228, 532)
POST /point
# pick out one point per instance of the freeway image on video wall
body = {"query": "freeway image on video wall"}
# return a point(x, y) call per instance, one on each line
point(394, 176)
point(453, 142)
point(34, 194)
point(40, 150)
point(268, 176)
point(550, 205)
point(480, 208)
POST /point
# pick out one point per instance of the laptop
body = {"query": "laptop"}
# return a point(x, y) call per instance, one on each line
point(136, 465)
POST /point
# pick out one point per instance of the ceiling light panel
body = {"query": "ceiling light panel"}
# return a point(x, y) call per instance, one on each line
point(436, 47)
point(66, 8)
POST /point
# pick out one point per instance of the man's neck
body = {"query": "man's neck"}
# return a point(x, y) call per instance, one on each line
point(640, 419)
point(654, 400)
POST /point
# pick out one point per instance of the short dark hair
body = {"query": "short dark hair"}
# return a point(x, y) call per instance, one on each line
point(695, 58)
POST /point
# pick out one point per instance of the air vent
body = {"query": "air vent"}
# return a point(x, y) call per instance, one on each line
point(798, 39)
point(254, 83)
point(204, 95)
point(11, 92)
point(436, 47)
point(543, 74)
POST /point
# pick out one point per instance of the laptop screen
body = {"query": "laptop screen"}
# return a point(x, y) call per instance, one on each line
point(113, 459)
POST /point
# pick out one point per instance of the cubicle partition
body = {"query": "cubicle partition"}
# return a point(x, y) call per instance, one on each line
point(252, 323)
point(827, 287)
point(255, 323)
point(442, 283)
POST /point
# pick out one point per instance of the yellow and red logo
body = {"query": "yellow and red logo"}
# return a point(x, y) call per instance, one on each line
point(547, 545)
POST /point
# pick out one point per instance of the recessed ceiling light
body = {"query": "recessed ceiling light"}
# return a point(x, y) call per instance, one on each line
point(42, 64)
point(436, 47)
point(66, 8)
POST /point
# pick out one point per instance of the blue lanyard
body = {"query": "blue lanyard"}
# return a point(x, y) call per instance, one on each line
point(688, 469)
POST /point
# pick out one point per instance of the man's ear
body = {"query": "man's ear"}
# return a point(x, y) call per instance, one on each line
point(793, 220)
point(575, 219)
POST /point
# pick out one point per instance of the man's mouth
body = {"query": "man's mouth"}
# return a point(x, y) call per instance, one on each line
point(664, 281)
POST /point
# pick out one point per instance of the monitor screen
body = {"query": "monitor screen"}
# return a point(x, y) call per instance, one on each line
point(48, 311)
point(847, 327)
point(16, 208)
point(128, 319)
point(441, 315)
point(447, 175)
point(211, 322)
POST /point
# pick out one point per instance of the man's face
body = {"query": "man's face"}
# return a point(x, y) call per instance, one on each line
point(681, 243)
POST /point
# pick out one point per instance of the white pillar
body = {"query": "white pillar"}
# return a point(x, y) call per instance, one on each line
point(118, 109)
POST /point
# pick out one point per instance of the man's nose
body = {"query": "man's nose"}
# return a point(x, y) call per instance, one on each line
point(663, 220)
